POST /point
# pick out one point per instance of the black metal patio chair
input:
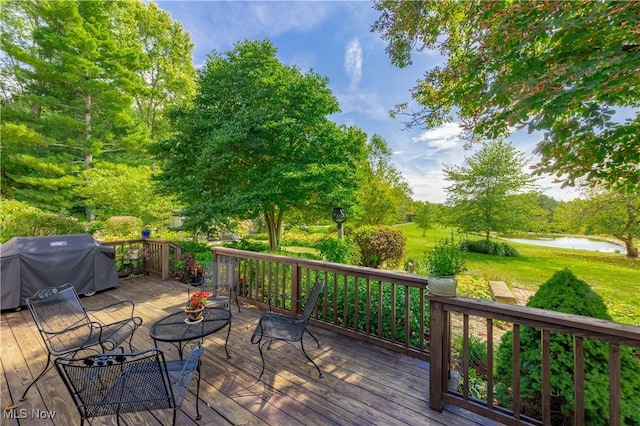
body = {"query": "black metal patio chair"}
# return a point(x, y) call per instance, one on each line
point(274, 326)
point(221, 280)
point(66, 326)
point(117, 383)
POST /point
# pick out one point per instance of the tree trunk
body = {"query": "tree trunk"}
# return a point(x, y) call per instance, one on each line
point(273, 220)
point(632, 251)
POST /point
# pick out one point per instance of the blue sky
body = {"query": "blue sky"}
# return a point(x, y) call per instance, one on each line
point(333, 38)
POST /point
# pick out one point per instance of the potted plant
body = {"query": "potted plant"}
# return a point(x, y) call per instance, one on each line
point(444, 262)
point(195, 306)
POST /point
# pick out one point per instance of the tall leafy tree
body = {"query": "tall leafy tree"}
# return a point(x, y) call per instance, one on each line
point(257, 141)
point(73, 70)
point(425, 217)
point(492, 193)
point(385, 197)
point(123, 190)
point(559, 67)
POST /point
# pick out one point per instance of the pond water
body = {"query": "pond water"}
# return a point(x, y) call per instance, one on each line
point(573, 243)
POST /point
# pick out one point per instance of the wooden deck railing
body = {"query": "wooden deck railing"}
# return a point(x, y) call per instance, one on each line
point(386, 308)
point(393, 310)
point(151, 256)
point(580, 329)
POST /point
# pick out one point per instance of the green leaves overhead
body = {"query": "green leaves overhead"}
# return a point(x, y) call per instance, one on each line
point(558, 67)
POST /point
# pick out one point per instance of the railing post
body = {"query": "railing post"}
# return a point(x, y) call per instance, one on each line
point(295, 288)
point(164, 261)
point(438, 373)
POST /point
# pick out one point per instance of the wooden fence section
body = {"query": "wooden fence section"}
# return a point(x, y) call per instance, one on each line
point(580, 328)
point(151, 256)
point(389, 309)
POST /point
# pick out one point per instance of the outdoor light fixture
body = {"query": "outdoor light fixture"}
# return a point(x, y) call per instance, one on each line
point(339, 217)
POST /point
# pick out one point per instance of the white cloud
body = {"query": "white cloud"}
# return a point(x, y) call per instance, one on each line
point(444, 137)
point(353, 62)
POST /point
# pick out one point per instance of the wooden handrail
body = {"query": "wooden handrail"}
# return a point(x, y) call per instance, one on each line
point(359, 301)
point(579, 327)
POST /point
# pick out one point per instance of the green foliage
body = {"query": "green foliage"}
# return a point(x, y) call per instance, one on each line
point(339, 250)
point(82, 82)
point(425, 217)
point(257, 141)
point(445, 259)
point(379, 245)
point(19, 219)
point(386, 196)
point(249, 245)
point(488, 194)
point(380, 308)
point(122, 228)
point(559, 69)
point(564, 292)
point(123, 190)
point(489, 247)
point(296, 237)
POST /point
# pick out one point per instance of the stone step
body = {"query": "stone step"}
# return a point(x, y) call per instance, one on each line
point(501, 292)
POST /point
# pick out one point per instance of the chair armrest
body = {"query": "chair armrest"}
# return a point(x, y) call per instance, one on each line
point(181, 372)
point(284, 297)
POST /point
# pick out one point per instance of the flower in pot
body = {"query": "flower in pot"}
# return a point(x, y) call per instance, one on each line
point(444, 262)
point(195, 305)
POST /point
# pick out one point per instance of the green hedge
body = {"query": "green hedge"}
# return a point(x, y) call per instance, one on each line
point(564, 292)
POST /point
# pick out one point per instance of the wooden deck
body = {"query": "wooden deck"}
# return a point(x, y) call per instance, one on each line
point(362, 384)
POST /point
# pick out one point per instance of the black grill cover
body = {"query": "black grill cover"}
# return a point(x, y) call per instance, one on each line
point(29, 264)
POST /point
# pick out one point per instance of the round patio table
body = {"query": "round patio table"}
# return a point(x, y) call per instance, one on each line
point(174, 329)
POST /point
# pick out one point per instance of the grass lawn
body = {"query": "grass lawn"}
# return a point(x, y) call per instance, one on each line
point(614, 277)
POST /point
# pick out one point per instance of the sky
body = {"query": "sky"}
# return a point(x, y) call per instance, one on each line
point(334, 39)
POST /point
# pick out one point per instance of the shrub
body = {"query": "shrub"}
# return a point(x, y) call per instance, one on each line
point(380, 245)
point(299, 238)
point(20, 219)
point(122, 228)
point(489, 247)
point(565, 293)
point(249, 245)
point(339, 250)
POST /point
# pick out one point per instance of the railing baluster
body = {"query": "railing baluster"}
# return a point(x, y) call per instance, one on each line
point(380, 308)
point(465, 355)
point(515, 385)
point(393, 312)
point(578, 379)
point(614, 384)
point(546, 377)
point(489, 363)
point(407, 323)
point(356, 303)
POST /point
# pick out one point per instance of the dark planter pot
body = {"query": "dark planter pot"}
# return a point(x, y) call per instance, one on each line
point(146, 233)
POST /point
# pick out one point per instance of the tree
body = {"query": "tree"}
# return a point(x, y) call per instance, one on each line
point(425, 216)
point(71, 71)
point(386, 195)
point(257, 141)
point(488, 194)
point(557, 67)
point(121, 190)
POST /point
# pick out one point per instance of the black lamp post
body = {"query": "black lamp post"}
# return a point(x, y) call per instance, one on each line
point(339, 217)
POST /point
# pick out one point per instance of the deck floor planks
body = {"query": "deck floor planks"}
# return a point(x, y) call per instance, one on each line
point(363, 384)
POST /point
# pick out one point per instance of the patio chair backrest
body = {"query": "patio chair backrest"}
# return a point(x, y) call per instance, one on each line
point(221, 280)
point(312, 300)
point(116, 383)
point(57, 309)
